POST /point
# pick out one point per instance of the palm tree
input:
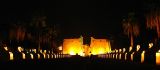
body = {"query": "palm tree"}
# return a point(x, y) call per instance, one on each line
point(153, 23)
point(38, 22)
point(153, 19)
point(131, 27)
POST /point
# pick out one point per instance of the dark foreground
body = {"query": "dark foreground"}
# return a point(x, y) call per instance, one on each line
point(76, 64)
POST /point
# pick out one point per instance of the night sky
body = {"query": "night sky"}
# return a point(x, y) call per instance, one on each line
point(100, 19)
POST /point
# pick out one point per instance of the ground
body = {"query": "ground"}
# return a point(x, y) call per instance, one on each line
point(77, 64)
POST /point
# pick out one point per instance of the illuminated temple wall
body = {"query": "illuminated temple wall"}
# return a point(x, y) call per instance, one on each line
point(100, 46)
point(73, 46)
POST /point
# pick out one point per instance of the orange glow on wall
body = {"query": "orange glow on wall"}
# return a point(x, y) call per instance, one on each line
point(73, 47)
point(100, 46)
point(87, 50)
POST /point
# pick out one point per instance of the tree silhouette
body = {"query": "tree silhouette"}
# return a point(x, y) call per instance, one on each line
point(131, 27)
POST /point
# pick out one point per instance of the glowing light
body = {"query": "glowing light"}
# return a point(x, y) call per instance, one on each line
point(48, 55)
point(150, 45)
point(142, 56)
point(44, 55)
point(116, 56)
point(20, 49)
point(60, 48)
point(31, 55)
point(138, 47)
point(55, 56)
point(23, 56)
point(124, 50)
point(73, 47)
point(72, 53)
point(101, 51)
point(30, 50)
point(34, 50)
point(132, 56)
point(116, 51)
point(113, 56)
point(38, 56)
point(40, 51)
point(120, 50)
point(45, 51)
point(81, 53)
point(86, 50)
point(125, 56)
point(120, 56)
point(130, 48)
point(100, 46)
point(158, 57)
point(6, 48)
point(52, 56)
point(11, 55)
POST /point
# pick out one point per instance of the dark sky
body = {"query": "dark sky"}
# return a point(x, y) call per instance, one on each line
point(101, 18)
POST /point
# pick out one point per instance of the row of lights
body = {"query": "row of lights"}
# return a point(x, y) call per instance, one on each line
point(117, 54)
point(31, 52)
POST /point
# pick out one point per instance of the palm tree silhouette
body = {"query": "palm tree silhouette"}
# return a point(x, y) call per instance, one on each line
point(131, 27)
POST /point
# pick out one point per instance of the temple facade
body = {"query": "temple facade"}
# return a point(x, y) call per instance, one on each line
point(76, 47)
